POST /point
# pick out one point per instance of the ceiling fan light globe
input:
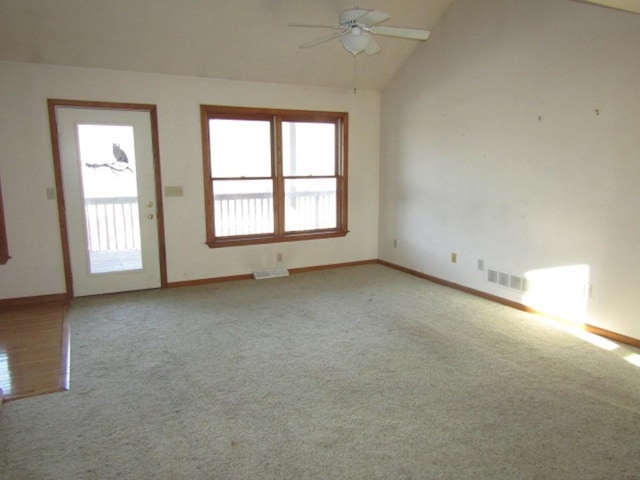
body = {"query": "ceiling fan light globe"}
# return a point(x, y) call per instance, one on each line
point(356, 41)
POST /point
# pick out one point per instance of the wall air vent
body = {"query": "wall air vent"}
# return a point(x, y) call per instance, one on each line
point(276, 272)
point(506, 280)
point(515, 282)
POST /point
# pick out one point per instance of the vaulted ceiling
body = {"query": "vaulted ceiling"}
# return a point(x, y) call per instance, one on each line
point(248, 40)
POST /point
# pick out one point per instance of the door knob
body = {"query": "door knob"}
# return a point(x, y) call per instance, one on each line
point(150, 216)
point(149, 204)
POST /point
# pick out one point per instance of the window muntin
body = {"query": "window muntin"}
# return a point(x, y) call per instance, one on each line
point(273, 175)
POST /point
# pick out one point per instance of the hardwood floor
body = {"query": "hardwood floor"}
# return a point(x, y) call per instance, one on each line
point(34, 350)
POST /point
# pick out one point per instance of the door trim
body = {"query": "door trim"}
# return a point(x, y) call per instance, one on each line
point(152, 110)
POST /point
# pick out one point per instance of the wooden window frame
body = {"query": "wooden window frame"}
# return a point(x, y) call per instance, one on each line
point(4, 244)
point(276, 117)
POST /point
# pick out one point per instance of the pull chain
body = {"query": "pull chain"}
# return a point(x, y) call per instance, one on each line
point(355, 74)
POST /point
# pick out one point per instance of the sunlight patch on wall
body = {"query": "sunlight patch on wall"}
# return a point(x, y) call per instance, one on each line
point(559, 291)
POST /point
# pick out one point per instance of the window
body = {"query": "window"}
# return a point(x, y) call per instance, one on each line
point(273, 175)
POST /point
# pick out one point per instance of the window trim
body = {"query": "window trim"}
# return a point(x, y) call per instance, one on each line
point(4, 244)
point(276, 117)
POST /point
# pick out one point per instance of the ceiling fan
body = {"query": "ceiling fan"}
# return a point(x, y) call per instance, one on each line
point(626, 5)
point(356, 28)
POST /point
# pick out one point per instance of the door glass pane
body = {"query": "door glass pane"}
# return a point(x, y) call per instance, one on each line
point(110, 196)
point(308, 149)
point(310, 204)
point(240, 148)
point(243, 207)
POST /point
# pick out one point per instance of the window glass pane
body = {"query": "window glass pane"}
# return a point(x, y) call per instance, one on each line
point(243, 207)
point(240, 148)
point(308, 148)
point(310, 204)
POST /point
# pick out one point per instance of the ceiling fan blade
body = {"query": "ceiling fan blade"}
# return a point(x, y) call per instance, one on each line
point(373, 47)
point(401, 32)
point(632, 6)
point(306, 25)
point(326, 38)
point(373, 17)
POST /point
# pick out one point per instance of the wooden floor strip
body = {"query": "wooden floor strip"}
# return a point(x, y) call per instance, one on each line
point(34, 350)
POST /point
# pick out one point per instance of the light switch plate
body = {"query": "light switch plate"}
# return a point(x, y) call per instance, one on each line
point(173, 191)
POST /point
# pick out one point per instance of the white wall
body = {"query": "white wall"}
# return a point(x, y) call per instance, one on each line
point(26, 170)
point(492, 148)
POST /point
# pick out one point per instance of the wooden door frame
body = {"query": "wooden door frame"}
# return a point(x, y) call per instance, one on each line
point(152, 110)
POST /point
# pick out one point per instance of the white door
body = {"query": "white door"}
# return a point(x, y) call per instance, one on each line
point(108, 176)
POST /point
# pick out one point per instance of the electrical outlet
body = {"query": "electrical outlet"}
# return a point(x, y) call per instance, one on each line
point(51, 193)
point(395, 243)
point(480, 264)
point(279, 257)
point(454, 258)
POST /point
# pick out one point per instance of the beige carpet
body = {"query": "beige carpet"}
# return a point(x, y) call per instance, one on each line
point(357, 373)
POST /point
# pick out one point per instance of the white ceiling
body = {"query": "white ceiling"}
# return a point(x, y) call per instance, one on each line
point(248, 40)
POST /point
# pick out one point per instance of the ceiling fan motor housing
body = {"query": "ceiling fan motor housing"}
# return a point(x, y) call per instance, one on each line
point(358, 39)
point(349, 18)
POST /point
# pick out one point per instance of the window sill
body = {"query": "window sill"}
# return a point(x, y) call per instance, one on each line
point(262, 239)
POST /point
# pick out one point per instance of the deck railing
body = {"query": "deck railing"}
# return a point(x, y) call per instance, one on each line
point(113, 224)
point(247, 214)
